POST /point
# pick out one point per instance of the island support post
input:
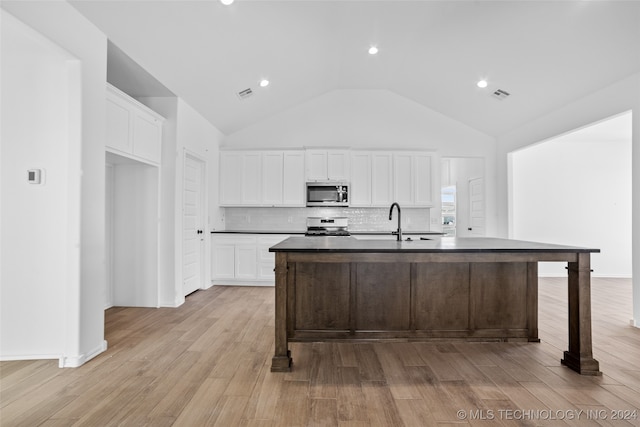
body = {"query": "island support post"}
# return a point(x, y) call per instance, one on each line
point(579, 357)
point(281, 361)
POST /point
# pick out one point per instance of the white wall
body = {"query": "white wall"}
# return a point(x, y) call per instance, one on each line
point(35, 255)
point(373, 119)
point(607, 102)
point(74, 188)
point(576, 193)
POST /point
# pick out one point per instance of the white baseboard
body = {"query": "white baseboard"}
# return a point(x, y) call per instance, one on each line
point(236, 282)
point(76, 361)
point(29, 357)
point(63, 361)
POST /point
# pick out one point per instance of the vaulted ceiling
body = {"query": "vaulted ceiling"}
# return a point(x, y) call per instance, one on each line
point(545, 54)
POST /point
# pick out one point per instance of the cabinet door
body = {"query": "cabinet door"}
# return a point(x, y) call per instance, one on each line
point(338, 165)
point(360, 190)
point(316, 165)
point(118, 126)
point(266, 259)
point(246, 261)
point(230, 189)
point(251, 176)
point(403, 179)
point(272, 174)
point(147, 137)
point(423, 179)
point(381, 179)
point(293, 179)
point(223, 265)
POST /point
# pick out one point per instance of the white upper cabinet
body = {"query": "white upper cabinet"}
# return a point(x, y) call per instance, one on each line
point(230, 183)
point(262, 178)
point(251, 173)
point(327, 165)
point(360, 189)
point(423, 179)
point(272, 178)
point(381, 178)
point(277, 177)
point(119, 125)
point(403, 179)
point(133, 130)
point(293, 185)
point(413, 183)
point(147, 136)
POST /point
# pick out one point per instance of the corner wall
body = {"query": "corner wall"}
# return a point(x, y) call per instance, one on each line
point(82, 330)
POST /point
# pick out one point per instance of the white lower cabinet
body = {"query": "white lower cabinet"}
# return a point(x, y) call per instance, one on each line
point(223, 263)
point(243, 259)
point(245, 267)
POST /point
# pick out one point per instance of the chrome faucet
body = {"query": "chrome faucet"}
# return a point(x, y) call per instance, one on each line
point(399, 232)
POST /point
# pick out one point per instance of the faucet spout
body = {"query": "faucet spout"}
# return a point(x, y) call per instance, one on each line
point(399, 232)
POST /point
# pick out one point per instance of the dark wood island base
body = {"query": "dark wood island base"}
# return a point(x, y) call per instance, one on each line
point(475, 289)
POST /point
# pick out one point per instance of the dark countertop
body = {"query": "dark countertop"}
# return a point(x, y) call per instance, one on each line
point(436, 244)
point(353, 233)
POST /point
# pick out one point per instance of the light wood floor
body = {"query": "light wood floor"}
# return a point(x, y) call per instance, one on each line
point(207, 363)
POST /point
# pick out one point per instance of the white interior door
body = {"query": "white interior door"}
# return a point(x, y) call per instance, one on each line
point(476, 207)
point(193, 225)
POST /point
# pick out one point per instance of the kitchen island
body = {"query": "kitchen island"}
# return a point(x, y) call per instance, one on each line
point(445, 288)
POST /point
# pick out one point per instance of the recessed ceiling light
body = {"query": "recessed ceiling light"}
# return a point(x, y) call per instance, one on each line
point(226, 2)
point(373, 50)
point(482, 84)
point(264, 83)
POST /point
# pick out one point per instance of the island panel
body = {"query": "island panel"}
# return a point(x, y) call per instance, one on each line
point(499, 295)
point(382, 296)
point(322, 296)
point(442, 296)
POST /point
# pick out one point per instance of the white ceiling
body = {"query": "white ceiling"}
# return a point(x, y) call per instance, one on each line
point(545, 54)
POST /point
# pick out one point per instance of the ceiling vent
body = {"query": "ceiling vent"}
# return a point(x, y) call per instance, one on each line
point(244, 94)
point(500, 94)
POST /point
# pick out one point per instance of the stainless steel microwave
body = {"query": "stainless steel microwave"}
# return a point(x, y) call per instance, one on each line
point(327, 194)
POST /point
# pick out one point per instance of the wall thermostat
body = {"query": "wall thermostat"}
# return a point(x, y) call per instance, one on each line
point(34, 176)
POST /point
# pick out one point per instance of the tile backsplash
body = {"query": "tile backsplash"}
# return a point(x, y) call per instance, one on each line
point(294, 219)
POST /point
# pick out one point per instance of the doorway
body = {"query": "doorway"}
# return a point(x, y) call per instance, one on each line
point(575, 189)
point(463, 194)
point(131, 226)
